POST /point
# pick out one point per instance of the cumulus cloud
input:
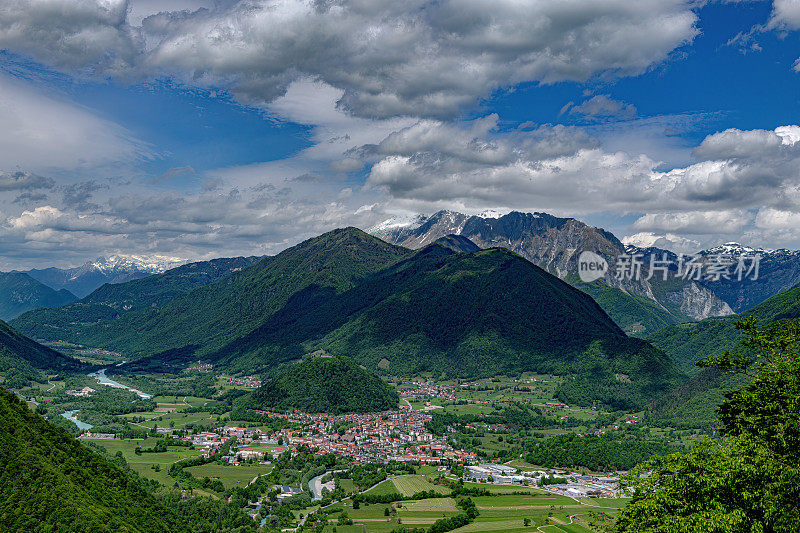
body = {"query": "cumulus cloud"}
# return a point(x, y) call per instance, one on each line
point(785, 14)
point(70, 35)
point(422, 58)
point(737, 174)
point(695, 223)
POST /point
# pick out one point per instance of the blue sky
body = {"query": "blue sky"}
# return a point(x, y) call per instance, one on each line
point(213, 129)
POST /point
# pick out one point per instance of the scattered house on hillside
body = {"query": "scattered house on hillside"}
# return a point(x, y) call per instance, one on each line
point(83, 393)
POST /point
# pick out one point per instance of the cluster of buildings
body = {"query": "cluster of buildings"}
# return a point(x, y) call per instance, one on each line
point(82, 393)
point(373, 437)
point(202, 367)
point(250, 382)
point(429, 389)
point(575, 485)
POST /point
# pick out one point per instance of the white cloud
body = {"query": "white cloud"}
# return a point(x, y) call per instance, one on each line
point(728, 222)
point(668, 241)
point(785, 14)
point(421, 58)
point(40, 132)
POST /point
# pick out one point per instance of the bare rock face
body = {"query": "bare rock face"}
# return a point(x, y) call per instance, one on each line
point(699, 302)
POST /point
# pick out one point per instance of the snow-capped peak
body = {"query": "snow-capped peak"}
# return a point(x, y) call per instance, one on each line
point(733, 248)
point(152, 264)
point(398, 222)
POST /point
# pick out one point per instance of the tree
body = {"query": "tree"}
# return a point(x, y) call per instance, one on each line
point(526, 522)
point(750, 480)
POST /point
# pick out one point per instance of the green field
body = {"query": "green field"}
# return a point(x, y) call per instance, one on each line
point(386, 487)
point(409, 485)
point(230, 476)
point(143, 464)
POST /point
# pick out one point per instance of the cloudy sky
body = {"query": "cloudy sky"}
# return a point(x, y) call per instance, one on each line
point(205, 128)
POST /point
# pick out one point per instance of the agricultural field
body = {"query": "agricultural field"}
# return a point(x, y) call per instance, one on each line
point(230, 476)
point(503, 512)
point(150, 465)
point(409, 485)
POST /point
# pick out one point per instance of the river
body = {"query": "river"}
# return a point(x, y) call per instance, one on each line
point(70, 415)
point(102, 379)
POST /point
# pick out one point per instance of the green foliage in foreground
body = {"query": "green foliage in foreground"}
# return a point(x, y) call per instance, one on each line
point(50, 482)
point(612, 451)
point(325, 385)
point(751, 480)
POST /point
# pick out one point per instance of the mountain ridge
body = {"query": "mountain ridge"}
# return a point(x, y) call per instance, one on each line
point(20, 293)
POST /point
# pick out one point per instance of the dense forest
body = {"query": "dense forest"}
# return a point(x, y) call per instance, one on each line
point(333, 385)
point(22, 360)
point(612, 451)
point(53, 483)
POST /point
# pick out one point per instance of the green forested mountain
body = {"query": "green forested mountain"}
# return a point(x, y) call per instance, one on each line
point(458, 314)
point(634, 314)
point(695, 402)
point(687, 343)
point(208, 318)
point(391, 309)
point(20, 293)
point(50, 482)
point(104, 306)
point(333, 385)
point(22, 359)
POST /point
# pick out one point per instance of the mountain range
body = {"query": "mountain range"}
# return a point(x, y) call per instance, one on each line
point(23, 360)
point(19, 293)
point(639, 306)
point(694, 402)
point(389, 308)
point(84, 279)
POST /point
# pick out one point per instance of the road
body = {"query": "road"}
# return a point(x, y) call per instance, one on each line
point(303, 520)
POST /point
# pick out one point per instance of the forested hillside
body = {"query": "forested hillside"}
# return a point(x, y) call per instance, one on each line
point(458, 314)
point(210, 317)
point(50, 482)
point(687, 343)
point(390, 309)
point(20, 293)
point(103, 307)
point(694, 403)
point(334, 385)
point(23, 360)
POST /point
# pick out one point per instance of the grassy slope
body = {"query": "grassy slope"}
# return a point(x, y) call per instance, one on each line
point(50, 482)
